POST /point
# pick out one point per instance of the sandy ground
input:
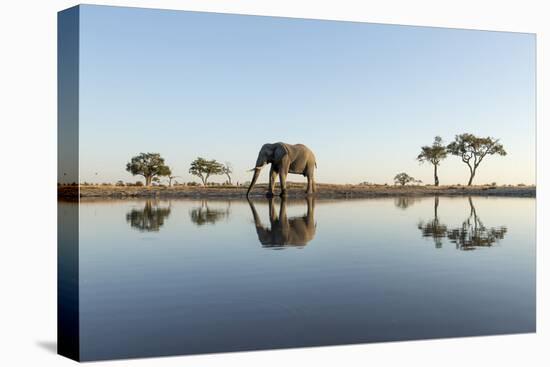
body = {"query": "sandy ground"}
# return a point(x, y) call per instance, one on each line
point(295, 191)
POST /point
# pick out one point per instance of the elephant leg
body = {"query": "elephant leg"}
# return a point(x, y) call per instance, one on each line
point(283, 172)
point(310, 182)
point(272, 215)
point(282, 180)
point(310, 202)
point(282, 211)
point(272, 177)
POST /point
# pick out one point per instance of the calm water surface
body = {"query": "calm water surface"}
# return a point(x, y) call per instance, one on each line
point(192, 276)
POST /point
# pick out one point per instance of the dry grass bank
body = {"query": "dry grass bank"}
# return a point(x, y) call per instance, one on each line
point(295, 190)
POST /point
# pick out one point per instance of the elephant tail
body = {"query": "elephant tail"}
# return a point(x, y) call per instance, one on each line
point(316, 164)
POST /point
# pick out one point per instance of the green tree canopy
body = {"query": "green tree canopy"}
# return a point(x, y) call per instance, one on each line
point(148, 165)
point(203, 169)
point(472, 150)
point(433, 154)
point(403, 179)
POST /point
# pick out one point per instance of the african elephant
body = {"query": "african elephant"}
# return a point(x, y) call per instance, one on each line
point(285, 159)
point(284, 232)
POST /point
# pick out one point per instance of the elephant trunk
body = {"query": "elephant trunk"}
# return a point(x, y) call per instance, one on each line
point(257, 221)
point(254, 179)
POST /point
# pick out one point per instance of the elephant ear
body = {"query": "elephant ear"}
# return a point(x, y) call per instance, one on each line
point(280, 152)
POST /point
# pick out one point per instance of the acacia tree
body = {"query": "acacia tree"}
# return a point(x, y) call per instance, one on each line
point(203, 169)
point(170, 178)
point(148, 165)
point(472, 149)
point(433, 154)
point(403, 179)
point(227, 170)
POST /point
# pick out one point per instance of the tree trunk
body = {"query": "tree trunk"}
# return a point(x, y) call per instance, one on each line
point(472, 174)
point(148, 180)
point(436, 179)
point(205, 179)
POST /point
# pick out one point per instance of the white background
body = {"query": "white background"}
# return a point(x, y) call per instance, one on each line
point(28, 183)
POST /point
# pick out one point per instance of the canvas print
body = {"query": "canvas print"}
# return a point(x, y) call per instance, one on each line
point(236, 182)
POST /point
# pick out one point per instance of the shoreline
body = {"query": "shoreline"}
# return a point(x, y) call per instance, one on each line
point(324, 191)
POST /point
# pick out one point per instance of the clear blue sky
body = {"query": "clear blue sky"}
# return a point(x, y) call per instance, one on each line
point(364, 97)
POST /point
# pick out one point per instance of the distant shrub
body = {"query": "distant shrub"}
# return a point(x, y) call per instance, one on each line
point(521, 184)
point(192, 183)
point(119, 183)
point(105, 184)
point(139, 183)
point(403, 179)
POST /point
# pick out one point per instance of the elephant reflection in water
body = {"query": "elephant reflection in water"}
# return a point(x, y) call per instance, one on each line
point(434, 228)
point(473, 233)
point(206, 215)
point(148, 219)
point(283, 231)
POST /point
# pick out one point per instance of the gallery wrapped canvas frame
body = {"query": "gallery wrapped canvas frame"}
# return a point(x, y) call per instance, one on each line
point(389, 211)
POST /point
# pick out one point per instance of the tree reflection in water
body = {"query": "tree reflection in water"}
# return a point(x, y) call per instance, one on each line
point(206, 215)
point(470, 235)
point(473, 233)
point(433, 228)
point(403, 202)
point(283, 231)
point(148, 219)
